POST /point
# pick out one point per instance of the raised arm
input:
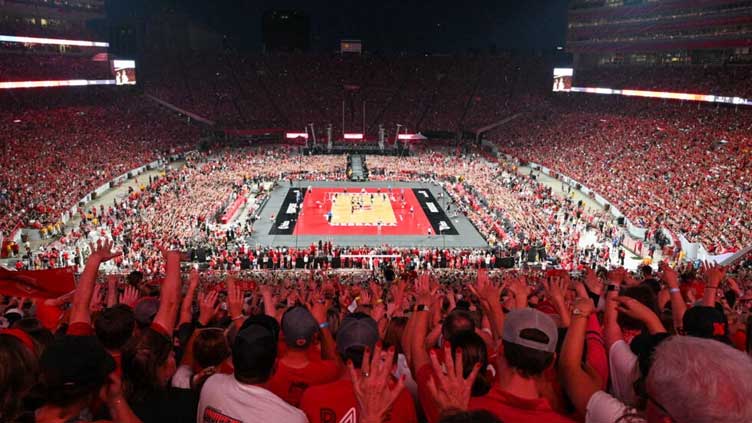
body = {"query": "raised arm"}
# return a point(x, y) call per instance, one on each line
point(100, 253)
point(678, 306)
point(580, 383)
point(636, 310)
point(185, 307)
point(319, 306)
point(489, 295)
point(111, 290)
point(418, 353)
point(169, 300)
point(713, 274)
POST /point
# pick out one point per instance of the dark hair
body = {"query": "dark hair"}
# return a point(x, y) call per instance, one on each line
point(114, 326)
point(526, 361)
point(473, 351)
point(254, 362)
point(645, 295)
point(457, 321)
point(142, 358)
point(210, 348)
point(354, 354)
point(18, 373)
point(475, 416)
point(394, 332)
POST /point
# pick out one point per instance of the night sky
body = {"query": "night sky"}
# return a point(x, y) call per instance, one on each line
point(390, 26)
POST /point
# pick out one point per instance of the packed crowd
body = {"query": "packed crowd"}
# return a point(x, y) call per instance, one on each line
point(511, 210)
point(606, 346)
point(54, 151)
point(515, 213)
point(670, 165)
point(292, 91)
point(52, 67)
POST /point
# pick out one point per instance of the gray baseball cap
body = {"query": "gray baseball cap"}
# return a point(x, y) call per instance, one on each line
point(357, 332)
point(299, 327)
point(528, 318)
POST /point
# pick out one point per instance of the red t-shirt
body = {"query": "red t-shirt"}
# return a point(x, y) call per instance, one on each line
point(289, 383)
point(512, 409)
point(334, 401)
point(425, 373)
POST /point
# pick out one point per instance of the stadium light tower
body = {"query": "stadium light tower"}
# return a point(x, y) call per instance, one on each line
point(313, 134)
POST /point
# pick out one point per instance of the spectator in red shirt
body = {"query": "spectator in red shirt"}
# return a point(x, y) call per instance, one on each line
point(336, 401)
point(529, 349)
point(299, 367)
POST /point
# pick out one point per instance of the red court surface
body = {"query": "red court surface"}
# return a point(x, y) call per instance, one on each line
point(317, 203)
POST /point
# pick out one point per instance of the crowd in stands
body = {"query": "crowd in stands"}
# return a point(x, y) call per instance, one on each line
point(54, 150)
point(511, 210)
point(490, 346)
point(291, 91)
point(676, 165)
point(519, 217)
point(52, 67)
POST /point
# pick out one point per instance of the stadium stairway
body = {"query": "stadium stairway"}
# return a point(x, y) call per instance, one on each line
point(356, 170)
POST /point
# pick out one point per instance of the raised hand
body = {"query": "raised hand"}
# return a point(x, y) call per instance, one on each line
point(319, 307)
point(668, 275)
point(207, 306)
point(555, 288)
point(484, 288)
point(234, 298)
point(102, 250)
point(95, 304)
point(519, 288)
point(636, 310)
point(129, 296)
point(451, 390)
point(371, 385)
point(713, 274)
point(423, 293)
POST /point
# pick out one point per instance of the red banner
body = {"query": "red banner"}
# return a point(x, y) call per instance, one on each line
point(37, 283)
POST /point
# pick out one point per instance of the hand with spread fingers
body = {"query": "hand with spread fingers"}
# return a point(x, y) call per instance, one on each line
point(451, 390)
point(371, 385)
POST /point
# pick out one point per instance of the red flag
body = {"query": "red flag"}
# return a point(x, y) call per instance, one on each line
point(51, 283)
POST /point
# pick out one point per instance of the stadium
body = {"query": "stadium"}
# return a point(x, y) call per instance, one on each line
point(297, 212)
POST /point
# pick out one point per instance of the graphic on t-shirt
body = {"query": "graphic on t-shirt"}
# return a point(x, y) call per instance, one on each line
point(327, 415)
point(211, 415)
point(350, 417)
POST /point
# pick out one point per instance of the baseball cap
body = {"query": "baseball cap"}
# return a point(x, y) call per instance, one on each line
point(299, 327)
point(358, 330)
point(145, 310)
point(705, 322)
point(519, 320)
point(75, 362)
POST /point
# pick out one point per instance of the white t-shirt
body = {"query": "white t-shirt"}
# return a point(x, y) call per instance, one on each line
point(224, 399)
point(624, 371)
point(603, 408)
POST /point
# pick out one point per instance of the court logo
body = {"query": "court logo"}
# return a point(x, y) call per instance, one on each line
point(285, 225)
point(423, 193)
point(292, 209)
point(443, 226)
point(432, 207)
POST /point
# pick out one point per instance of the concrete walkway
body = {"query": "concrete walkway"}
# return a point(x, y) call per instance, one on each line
point(631, 262)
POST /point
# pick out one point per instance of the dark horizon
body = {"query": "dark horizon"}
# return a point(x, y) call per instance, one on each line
point(387, 26)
